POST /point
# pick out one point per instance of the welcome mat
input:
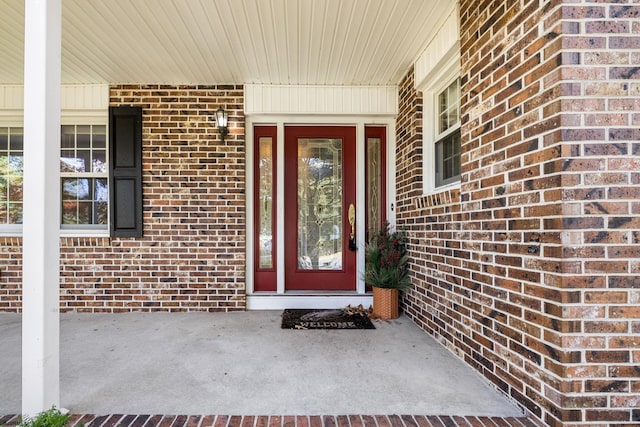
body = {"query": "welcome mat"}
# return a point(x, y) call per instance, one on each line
point(324, 319)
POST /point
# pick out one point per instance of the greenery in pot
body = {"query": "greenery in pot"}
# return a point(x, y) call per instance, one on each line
point(386, 260)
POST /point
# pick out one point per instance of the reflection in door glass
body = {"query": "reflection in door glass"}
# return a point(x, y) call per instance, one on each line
point(265, 202)
point(320, 204)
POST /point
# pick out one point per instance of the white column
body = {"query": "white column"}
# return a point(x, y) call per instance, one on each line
point(41, 218)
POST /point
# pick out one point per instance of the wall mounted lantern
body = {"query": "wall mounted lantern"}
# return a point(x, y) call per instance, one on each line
point(222, 118)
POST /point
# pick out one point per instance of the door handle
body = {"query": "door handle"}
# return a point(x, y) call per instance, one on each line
point(352, 222)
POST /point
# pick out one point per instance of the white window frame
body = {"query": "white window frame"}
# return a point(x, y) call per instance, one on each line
point(69, 117)
point(69, 230)
point(11, 229)
point(440, 80)
point(441, 135)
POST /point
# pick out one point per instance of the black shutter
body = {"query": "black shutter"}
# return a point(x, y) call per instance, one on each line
point(125, 171)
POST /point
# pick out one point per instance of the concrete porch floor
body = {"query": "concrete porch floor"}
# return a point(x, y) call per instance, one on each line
point(245, 364)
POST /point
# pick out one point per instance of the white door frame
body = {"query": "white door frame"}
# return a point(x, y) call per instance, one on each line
point(282, 105)
point(308, 299)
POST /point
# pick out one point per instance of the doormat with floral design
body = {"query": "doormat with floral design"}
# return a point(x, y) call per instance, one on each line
point(324, 319)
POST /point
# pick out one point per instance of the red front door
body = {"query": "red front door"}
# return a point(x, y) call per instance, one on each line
point(320, 188)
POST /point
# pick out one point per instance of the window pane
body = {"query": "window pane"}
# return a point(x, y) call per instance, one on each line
point(444, 123)
point(454, 103)
point(69, 163)
point(442, 112)
point(15, 187)
point(100, 213)
point(69, 212)
point(447, 162)
point(99, 137)
point(265, 171)
point(443, 101)
point(83, 136)
point(75, 189)
point(449, 107)
point(16, 141)
point(101, 191)
point(84, 160)
point(67, 136)
point(4, 190)
point(15, 213)
point(4, 140)
point(84, 213)
point(99, 161)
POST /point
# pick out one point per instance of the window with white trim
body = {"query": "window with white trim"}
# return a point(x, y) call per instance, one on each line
point(441, 128)
point(84, 177)
point(447, 136)
point(437, 75)
point(11, 172)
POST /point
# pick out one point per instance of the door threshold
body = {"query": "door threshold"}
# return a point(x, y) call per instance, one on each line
point(307, 299)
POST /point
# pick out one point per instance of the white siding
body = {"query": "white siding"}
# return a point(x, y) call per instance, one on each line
point(76, 101)
point(442, 48)
point(330, 100)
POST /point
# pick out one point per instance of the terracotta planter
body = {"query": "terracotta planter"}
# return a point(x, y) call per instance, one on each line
point(385, 303)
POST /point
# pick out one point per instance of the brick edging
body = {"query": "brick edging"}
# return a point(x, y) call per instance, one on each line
point(120, 420)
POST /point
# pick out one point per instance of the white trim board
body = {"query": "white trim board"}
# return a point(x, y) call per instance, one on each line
point(280, 301)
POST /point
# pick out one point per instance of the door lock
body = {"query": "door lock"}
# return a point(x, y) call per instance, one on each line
point(352, 222)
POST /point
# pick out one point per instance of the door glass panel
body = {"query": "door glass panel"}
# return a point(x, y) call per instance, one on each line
point(374, 183)
point(265, 201)
point(320, 204)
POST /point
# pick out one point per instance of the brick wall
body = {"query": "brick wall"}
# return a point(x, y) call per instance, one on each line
point(10, 273)
point(192, 255)
point(599, 81)
point(529, 271)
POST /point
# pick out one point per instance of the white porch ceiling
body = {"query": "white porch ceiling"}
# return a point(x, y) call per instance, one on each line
point(292, 42)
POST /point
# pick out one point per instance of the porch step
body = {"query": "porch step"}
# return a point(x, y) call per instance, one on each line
point(307, 299)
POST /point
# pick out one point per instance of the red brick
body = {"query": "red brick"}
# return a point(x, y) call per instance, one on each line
point(566, 181)
point(114, 283)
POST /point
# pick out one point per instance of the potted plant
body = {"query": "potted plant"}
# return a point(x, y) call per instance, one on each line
point(386, 270)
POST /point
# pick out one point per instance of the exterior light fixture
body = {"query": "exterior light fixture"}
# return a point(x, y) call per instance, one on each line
point(222, 119)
